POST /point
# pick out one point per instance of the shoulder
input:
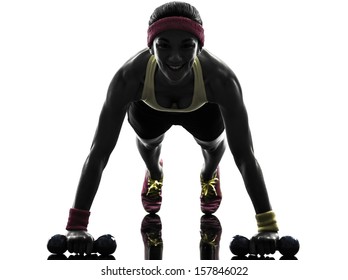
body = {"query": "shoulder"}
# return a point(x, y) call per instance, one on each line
point(220, 81)
point(130, 76)
point(214, 68)
point(135, 67)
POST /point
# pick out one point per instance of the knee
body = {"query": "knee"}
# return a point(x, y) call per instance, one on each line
point(211, 146)
point(150, 143)
point(244, 159)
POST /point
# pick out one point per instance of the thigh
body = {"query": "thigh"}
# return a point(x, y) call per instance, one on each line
point(147, 123)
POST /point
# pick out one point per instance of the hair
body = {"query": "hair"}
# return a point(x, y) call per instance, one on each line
point(176, 9)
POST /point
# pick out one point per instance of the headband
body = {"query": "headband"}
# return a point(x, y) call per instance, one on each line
point(179, 23)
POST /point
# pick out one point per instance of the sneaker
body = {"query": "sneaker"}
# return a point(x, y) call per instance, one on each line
point(211, 194)
point(151, 194)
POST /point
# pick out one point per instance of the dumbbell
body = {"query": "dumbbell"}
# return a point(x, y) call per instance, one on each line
point(287, 246)
point(104, 245)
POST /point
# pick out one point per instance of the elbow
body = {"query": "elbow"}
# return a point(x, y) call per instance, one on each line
point(97, 159)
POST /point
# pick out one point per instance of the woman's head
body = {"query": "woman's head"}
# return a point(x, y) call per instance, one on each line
point(176, 15)
point(175, 37)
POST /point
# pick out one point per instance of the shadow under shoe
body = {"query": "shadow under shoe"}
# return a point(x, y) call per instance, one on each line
point(151, 232)
point(210, 237)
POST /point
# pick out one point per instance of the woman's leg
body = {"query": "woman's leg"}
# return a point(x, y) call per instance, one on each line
point(212, 154)
point(150, 151)
point(151, 194)
point(210, 179)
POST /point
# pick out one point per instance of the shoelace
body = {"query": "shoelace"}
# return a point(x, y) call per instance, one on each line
point(153, 239)
point(208, 187)
point(209, 238)
point(155, 187)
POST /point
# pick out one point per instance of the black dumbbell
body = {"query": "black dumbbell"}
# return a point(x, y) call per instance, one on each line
point(104, 245)
point(287, 246)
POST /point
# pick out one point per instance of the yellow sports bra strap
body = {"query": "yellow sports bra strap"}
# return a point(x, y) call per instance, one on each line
point(148, 94)
point(199, 94)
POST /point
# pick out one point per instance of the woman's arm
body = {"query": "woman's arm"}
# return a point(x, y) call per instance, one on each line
point(109, 126)
point(123, 89)
point(239, 139)
point(230, 100)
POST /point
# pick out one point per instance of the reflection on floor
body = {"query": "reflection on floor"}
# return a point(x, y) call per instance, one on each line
point(210, 237)
point(151, 232)
point(92, 257)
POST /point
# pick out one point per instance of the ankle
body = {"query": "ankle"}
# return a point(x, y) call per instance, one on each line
point(156, 176)
point(208, 175)
point(156, 173)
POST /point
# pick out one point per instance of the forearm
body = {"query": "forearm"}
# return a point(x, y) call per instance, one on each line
point(89, 183)
point(255, 184)
point(109, 127)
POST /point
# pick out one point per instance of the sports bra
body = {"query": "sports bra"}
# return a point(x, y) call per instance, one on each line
point(199, 97)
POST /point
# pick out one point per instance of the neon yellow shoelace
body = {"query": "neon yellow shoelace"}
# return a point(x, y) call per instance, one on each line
point(208, 187)
point(155, 187)
point(153, 240)
point(209, 239)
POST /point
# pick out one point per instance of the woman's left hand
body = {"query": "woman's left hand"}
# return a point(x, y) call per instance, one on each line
point(264, 243)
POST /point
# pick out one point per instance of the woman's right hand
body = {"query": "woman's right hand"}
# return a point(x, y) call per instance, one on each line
point(80, 242)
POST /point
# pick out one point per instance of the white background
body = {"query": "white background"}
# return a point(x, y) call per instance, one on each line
point(56, 61)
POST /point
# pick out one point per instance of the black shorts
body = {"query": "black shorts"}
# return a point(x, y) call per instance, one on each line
point(205, 123)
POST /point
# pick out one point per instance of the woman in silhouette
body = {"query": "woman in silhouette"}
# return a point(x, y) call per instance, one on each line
point(175, 81)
